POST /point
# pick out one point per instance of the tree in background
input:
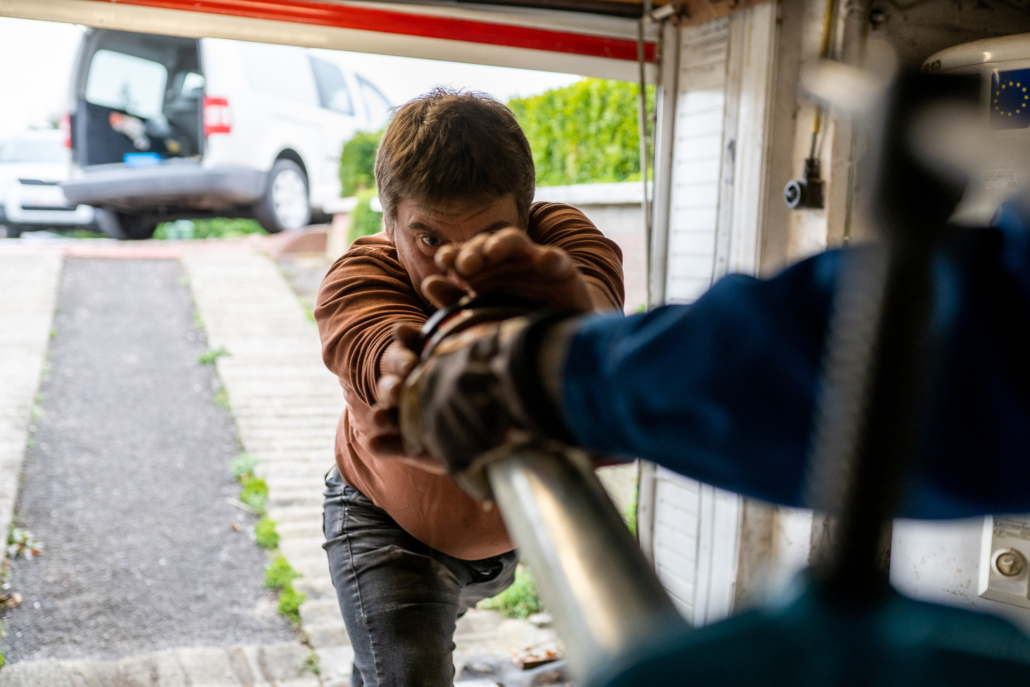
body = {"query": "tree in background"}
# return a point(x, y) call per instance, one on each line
point(584, 133)
point(580, 134)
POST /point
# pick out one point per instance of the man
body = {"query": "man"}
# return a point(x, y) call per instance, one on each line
point(409, 552)
point(725, 390)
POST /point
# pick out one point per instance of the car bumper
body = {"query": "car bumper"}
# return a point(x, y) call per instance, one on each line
point(22, 207)
point(176, 184)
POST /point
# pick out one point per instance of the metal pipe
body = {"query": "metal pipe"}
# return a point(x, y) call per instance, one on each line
point(603, 595)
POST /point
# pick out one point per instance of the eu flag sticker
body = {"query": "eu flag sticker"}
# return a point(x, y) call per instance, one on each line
point(1010, 99)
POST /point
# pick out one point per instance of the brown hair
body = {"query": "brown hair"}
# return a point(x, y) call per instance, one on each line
point(450, 145)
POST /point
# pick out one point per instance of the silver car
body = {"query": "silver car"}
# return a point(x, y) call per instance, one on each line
point(32, 166)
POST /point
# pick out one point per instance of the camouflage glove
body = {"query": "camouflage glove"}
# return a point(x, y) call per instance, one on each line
point(478, 391)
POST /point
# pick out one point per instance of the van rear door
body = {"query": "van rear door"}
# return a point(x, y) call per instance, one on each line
point(138, 97)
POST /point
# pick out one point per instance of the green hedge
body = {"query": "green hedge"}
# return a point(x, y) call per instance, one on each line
point(584, 133)
point(364, 221)
point(213, 228)
point(580, 134)
point(356, 162)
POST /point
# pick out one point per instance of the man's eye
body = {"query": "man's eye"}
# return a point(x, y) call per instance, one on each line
point(431, 241)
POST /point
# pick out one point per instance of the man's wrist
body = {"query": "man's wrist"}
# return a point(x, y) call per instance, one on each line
point(538, 347)
point(554, 349)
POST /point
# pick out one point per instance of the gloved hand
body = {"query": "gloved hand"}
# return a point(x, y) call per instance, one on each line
point(480, 390)
point(506, 262)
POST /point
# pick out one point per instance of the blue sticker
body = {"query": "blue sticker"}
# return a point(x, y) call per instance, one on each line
point(141, 159)
point(1010, 99)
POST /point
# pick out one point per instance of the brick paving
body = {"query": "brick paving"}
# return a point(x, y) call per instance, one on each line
point(28, 293)
point(276, 665)
point(286, 406)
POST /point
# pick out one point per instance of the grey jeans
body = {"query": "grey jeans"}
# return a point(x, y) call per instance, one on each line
point(400, 598)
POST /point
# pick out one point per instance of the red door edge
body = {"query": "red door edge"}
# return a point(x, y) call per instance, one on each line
point(407, 24)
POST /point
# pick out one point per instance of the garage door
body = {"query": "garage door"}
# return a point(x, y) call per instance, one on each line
point(722, 108)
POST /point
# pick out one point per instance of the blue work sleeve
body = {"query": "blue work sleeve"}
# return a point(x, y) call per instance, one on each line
point(721, 390)
point(725, 390)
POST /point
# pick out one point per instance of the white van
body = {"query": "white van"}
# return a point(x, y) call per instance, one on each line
point(164, 128)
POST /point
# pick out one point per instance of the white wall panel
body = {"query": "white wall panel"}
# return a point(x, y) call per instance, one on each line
point(700, 104)
point(677, 501)
point(724, 83)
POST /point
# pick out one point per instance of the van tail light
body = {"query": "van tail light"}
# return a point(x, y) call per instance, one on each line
point(66, 129)
point(217, 116)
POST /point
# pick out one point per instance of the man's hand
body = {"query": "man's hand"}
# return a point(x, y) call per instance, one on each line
point(510, 262)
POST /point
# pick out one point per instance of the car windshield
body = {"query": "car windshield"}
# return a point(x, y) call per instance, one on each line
point(33, 151)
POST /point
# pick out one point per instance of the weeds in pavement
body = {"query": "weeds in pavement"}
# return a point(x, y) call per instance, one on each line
point(280, 575)
point(209, 356)
point(242, 466)
point(289, 604)
point(311, 664)
point(198, 321)
point(8, 599)
point(265, 534)
point(520, 600)
point(20, 542)
point(221, 397)
point(255, 493)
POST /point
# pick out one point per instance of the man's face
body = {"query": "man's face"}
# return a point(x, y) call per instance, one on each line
point(419, 230)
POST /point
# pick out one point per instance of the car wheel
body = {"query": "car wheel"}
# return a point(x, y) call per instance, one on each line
point(123, 227)
point(285, 205)
point(13, 231)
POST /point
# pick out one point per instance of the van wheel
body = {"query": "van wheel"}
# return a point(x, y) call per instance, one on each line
point(285, 205)
point(118, 225)
point(13, 231)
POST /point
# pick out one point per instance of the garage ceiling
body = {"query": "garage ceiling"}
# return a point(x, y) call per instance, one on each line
point(586, 37)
